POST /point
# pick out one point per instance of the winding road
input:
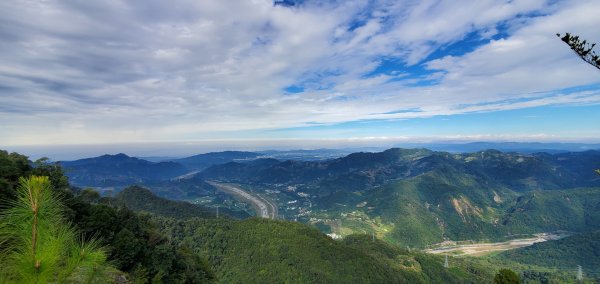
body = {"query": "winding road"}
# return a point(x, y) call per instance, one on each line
point(264, 208)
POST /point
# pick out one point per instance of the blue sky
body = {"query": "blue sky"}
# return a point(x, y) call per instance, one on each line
point(547, 123)
point(109, 72)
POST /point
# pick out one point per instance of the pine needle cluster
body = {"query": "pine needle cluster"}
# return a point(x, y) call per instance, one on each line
point(39, 246)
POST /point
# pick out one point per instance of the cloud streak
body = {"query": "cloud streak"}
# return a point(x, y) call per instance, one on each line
point(127, 71)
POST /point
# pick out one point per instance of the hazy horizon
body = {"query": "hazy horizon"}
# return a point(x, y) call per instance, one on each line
point(185, 149)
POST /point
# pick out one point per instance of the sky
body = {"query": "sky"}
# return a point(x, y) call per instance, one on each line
point(228, 72)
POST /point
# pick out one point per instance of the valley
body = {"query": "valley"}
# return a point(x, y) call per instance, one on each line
point(408, 197)
point(400, 211)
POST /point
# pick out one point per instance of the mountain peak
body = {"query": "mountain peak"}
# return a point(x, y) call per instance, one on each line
point(120, 156)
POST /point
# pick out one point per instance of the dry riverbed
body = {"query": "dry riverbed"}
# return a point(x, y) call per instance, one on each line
point(486, 248)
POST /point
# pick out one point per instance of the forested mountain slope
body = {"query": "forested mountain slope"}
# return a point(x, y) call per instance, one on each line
point(151, 248)
point(141, 199)
point(419, 197)
point(581, 249)
point(267, 251)
point(431, 208)
point(361, 171)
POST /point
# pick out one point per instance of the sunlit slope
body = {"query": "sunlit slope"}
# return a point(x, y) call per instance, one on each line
point(267, 251)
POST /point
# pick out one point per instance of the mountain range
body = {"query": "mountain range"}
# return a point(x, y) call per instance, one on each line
point(122, 170)
point(519, 147)
point(414, 197)
point(420, 197)
point(379, 203)
point(362, 171)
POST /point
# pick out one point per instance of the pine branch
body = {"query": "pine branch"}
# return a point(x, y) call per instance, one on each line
point(582, 48)
point(38, 245)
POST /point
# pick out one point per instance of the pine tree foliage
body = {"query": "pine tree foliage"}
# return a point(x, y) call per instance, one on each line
point(39, 246)
point(582, 48)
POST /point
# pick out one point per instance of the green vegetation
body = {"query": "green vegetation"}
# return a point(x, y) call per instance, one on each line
point(412, 197)
point(268, 251)
point(461, 270)
point(132, 242)
point(141, 199)
point(438, 205)
point(154, 248)
point(14, 165)
point(582, 249)
point(542, 211)
point(418, 198)
point(506, 276)
point(135, 244)
point(38, 245)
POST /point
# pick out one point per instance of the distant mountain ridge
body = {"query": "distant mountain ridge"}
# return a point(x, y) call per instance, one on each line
point(202, 161)
point(358, 170)
point(518, 171)
point(108, 170)
point(519, 147)
point(122, 170)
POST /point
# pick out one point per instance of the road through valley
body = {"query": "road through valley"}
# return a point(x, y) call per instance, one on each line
point(264, 208)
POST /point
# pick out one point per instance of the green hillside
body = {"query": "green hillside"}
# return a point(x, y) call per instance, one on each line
point(418, 197)
point(262, 250)
point(581, 249)
point(363, 171)
point(439, 206)
point(141, 199)
point(267, 251)
point(572, 210)
point(133, 242)
point(188, 249)
point(433, 197)
point(436, 206)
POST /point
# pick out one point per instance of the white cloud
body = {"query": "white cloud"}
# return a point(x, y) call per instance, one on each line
point(121, 71)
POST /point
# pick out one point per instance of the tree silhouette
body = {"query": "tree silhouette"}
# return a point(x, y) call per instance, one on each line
point(582, 48)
